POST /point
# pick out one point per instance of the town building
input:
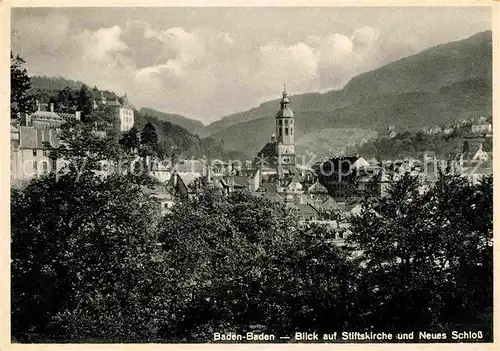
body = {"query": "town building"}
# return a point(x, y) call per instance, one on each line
point(122, 108)
point(30, 154)
point(338, 175)
point(164, 199)
point(43, 118)
point(124, 112)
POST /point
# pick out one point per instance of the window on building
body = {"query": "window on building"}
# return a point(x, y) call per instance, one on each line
point(34, 152)
point(291, 130)
point(45, 167)
point(35, 165)
point(280, 122)
point(291, 121)
point(286, 130)
point(281, 131)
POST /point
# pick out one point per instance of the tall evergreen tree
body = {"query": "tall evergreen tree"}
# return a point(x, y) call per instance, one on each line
point(149, 140)
point(68, 97)
point(149, 136)
point(85, 102)
point(20, 84)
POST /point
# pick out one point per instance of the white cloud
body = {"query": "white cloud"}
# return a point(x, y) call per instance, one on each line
point(99, 44)
point(199, 72)
point(278, 64)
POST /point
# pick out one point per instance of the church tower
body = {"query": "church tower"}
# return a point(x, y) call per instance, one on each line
point(285, 130)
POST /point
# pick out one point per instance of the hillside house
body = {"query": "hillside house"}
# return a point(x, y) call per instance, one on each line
point(30, 152)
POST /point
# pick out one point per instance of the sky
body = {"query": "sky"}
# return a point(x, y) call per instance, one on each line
point(205, 63)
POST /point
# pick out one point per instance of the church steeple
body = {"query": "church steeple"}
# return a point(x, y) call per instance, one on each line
point(285, 130)
point(284, 120)
point(285, 102)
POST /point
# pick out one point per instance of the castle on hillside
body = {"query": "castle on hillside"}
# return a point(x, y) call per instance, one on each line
point(278, 155)
point(123, 109)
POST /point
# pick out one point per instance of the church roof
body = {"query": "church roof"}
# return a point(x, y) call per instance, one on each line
point(267, 156)
point(284, 112)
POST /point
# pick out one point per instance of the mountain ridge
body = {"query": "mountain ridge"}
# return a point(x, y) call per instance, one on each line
point(409, 74)
point(437, 86)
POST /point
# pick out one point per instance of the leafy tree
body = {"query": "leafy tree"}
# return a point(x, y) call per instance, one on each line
point(240, 263)
point(85, 263)
point(422, 255)
point(85, 102)
point(83, 148)
point(130, 139)
point(20, 85)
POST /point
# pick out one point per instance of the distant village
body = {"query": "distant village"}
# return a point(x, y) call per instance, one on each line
point(325, 193)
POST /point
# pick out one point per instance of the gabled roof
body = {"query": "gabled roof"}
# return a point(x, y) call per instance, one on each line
point(317, 188)
point(158, 191)
point(330, 204)
point(114, 103)
point(271, 196)
point(306, 210)
point(269, 150)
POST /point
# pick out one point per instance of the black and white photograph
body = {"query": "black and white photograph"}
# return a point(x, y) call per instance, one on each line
point(271, 174)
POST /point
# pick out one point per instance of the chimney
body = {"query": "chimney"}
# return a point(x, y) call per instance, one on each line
point(273, 138)
point(78, 115)
point(51, 107)
point(27, 119)
point(175, 179)
point(38, 105)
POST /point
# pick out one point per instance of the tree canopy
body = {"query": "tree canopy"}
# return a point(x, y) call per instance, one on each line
point(426, 259)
